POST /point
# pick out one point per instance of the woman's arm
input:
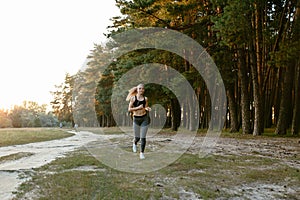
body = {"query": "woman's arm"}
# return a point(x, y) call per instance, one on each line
point(146, 105)
point(131, 108)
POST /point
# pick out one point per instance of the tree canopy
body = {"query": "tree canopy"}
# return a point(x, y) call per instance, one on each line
point(255, 45)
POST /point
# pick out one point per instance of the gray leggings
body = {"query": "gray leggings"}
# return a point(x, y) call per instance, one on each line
point(140, 128)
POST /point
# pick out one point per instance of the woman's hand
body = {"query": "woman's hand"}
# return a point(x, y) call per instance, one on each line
point(140, 107)
point(148, 109)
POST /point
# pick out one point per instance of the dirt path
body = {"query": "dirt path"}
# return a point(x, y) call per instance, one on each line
point(41, 154)
point(286, 150)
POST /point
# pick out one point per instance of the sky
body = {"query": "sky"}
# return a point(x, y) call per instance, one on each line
point(42, 40)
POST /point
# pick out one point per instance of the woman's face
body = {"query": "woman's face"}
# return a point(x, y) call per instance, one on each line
point(140, 89)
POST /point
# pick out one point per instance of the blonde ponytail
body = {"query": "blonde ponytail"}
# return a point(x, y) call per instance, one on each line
point(132, 92)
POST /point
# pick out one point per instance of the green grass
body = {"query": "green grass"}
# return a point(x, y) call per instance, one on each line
point(206, 177)
point(80, 176)
point(16, 136)
point(15, 156)
point(63, 183)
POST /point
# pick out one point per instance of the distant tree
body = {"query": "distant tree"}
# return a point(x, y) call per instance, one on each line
point(31, 114)
point(34, 107)
point(16, 116)
point(103, 100)
point(84, 95)
point(48, 120)
point(63, 100)
point(5, 120)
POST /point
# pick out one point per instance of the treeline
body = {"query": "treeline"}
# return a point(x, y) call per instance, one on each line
point(254, 43)
point(29, 114)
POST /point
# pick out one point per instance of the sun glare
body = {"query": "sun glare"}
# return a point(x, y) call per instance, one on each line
point(7, 104)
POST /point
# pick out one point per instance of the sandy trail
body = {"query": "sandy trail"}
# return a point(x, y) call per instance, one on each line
point(42, 153)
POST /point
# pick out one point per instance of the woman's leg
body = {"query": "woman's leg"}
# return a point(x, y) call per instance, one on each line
point(140, 127)
point(136, 129)
point(144, 129)
point(143, 144)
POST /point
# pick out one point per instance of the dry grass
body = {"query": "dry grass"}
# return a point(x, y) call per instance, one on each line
point(16, 136)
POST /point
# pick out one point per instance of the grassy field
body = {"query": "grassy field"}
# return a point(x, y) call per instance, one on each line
point(81, 176)
point(225, 176)
point(15, 136)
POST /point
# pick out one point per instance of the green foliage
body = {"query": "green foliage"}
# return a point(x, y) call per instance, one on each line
point(63, 100)
point(188, 17)
point(224, 59)
point(103, 94)
point(233, 25)
point(266, 32)
point(286, 55)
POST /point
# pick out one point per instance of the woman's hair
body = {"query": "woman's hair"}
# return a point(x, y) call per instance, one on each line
point(132, 92)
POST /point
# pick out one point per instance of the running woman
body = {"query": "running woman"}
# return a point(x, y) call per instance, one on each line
point(138, 105)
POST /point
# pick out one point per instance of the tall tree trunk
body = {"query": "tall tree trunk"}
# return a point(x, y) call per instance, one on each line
point(279, 79)
point(234, 123)
point(257, 71)
point(245, 103)
point(192, 120)
point(285, 113)
point(285, 102)
point(176, 114)
point(296, 110)
point(207, 109)
point(258, 103)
